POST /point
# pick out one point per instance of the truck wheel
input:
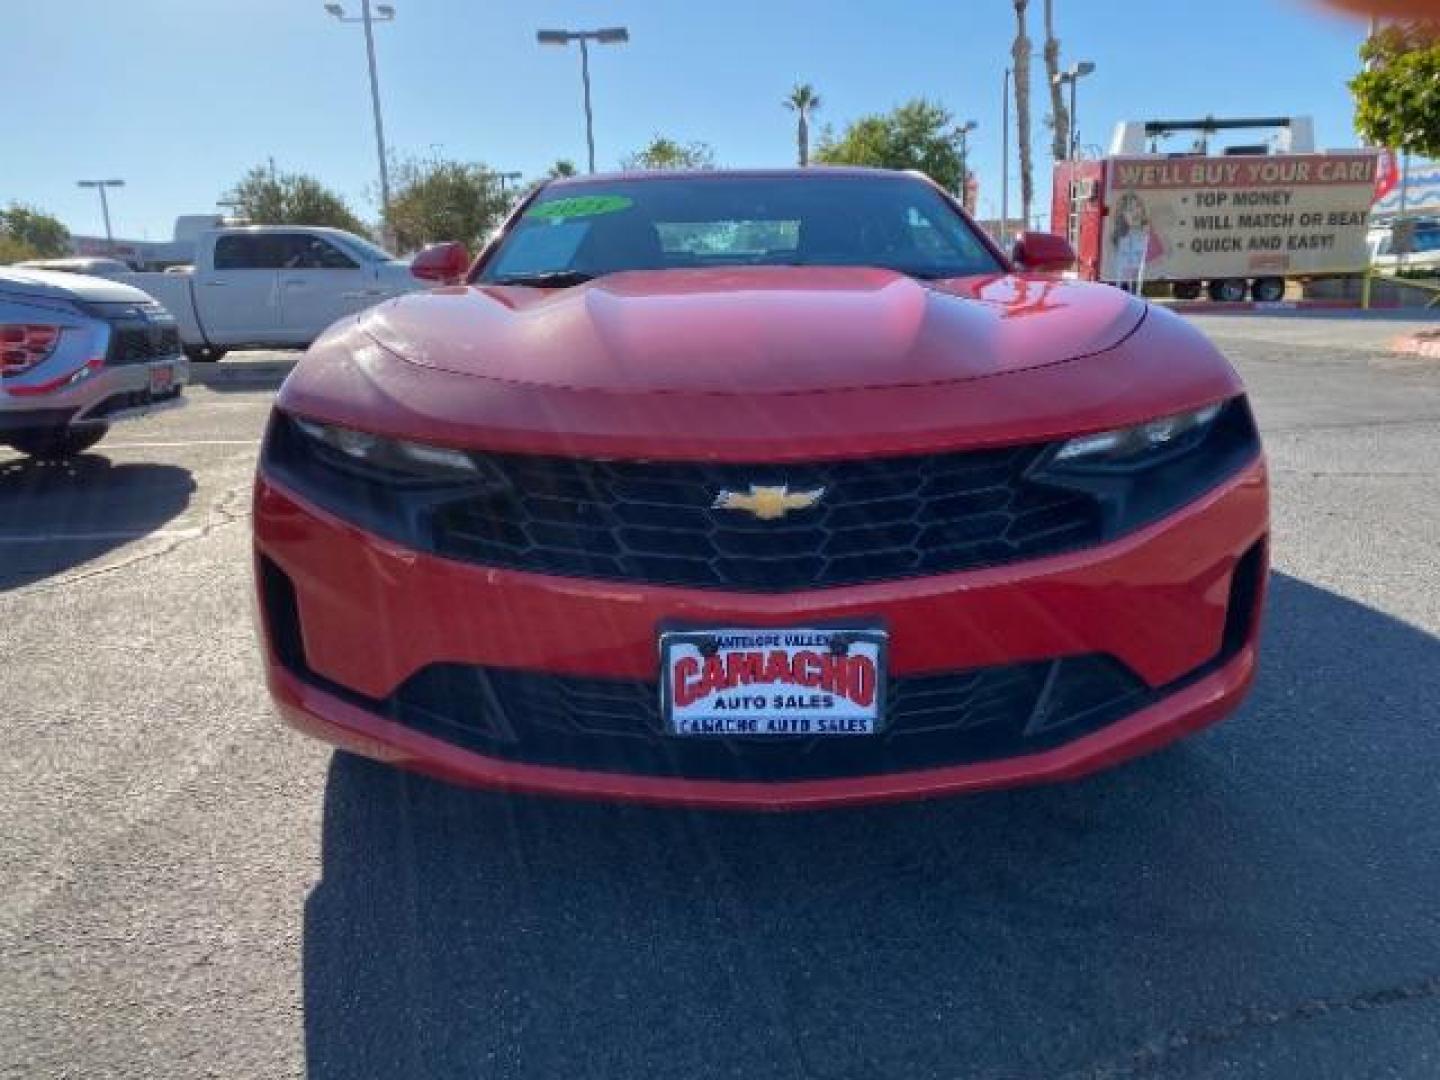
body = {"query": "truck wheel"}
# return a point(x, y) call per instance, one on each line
point(203, 354)
point(60, 444)
point(1185, 290)
point(1228, 290)
point(1268, 289)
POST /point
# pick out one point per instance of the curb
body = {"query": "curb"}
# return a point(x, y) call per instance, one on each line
point(265, 372)
point(1263, 307)
point(1425, 344)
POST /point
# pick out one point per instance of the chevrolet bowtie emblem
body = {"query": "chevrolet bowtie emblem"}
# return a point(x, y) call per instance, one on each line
point(767, 503)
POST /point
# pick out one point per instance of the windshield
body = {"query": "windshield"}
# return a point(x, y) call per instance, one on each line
point(367, 251)
point(575, 231)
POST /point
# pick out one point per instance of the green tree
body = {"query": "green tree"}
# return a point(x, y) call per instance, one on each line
point(28, 233)
point(802, 101)
point(917, 135)
point(265, 198)
point(1059, 119)
point(445, 200)
point(562, 168)
point(1397, 96)
point(663, 153)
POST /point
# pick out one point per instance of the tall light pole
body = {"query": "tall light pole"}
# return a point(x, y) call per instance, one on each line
point(100, 186)
point(384, 13)
point(611, 35)
point(1005, 158)
point(1074, 75)
point(962, 133)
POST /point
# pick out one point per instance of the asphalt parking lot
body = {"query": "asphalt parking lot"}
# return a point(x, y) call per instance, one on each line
point(189, 890)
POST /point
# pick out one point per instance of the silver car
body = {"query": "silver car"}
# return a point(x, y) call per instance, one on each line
point(78, 353)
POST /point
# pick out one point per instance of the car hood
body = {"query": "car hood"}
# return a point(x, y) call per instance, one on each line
point(709, 390)
point(35, 284)
point(754, 330)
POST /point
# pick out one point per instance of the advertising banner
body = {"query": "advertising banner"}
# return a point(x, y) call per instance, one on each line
point(1203, 218)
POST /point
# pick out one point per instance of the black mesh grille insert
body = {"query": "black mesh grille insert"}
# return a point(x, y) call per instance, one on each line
point(613, 725)
point(874, 519)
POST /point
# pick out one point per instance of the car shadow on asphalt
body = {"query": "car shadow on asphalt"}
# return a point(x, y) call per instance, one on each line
point(1239, 888)
point(57, 515)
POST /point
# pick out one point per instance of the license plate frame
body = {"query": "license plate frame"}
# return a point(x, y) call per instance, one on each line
point(849, 667)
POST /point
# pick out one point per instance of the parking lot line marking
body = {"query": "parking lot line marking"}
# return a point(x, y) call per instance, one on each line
point(97, 537)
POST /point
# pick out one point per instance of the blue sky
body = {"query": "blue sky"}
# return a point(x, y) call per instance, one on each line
point(179, 97)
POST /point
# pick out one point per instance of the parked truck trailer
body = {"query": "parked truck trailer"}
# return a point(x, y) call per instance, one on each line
point(1235, 224)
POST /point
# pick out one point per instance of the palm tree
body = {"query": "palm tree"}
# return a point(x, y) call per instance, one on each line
point(803, 101)
point(1020, 59)
point(1059, 115)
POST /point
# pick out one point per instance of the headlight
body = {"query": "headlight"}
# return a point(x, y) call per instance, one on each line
point(402, 459)
point(1141, 473)
point(1140, 443)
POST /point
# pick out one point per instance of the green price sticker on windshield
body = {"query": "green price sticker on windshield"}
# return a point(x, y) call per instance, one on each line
point(579, 206)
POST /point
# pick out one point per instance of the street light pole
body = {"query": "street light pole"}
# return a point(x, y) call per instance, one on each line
point(101, 185)
point(386, 14)
point(589, 114)
point(1074, 137)
point(1005, 159)
point(1074, 75)
point(612, 35)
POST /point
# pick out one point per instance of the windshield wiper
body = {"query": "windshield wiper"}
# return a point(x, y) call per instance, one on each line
point(550, 279)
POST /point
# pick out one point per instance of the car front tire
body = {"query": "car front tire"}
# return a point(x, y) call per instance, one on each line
point(57, 445)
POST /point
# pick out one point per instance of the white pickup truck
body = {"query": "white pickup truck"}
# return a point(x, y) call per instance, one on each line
point(272, 286)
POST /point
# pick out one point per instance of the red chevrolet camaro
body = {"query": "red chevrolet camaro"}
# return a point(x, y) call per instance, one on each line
point(759, 489)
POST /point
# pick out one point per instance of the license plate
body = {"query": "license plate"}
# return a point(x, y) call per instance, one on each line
point(755, 683)
point(162, 379)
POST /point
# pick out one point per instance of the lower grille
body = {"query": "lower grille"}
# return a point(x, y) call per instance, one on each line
point(614, 726)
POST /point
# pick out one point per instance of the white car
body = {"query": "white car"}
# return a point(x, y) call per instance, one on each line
point(273, 287)
point(1424, 253)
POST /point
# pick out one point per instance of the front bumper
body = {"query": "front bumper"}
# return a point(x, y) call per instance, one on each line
point(369, 615)
point(108, 394)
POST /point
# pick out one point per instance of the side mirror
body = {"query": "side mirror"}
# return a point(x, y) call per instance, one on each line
point(1042, 253)
point(445, 263)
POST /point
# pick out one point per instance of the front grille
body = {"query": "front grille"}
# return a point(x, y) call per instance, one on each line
point(141, 344)
point(878, 519)
point(140, 334)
